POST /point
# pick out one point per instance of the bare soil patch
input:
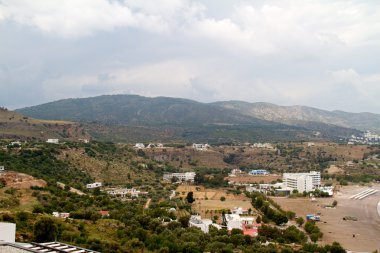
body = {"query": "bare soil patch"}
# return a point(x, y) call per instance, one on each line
point(21, 180)
point(366, 229)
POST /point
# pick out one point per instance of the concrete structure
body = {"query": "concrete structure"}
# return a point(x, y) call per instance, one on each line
point(7, 232)
point(302, 182)
point(2, 168)
point(53, 141)
point(94, 185)
point(259, 172)
point(197, 221)
point(187, 176)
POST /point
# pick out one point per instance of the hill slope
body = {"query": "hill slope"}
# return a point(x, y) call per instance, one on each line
point(303, 115)
point(123, 117)
point(15, 125)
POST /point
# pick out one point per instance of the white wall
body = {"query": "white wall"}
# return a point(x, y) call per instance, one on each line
point(7, 232)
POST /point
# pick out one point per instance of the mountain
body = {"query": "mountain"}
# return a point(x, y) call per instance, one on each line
point(137, 110)
point(124, 117)
point(303, 115)
point(16, 126)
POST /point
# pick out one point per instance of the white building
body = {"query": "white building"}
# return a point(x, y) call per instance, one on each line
point(259, 172)
point(94, 185)
point(310, 144)
point(302, 182)
point(53, 141)
point(187, 176)
point(200, 146)
point(61, 215)
point(235, 172)
point(2, 168)
point(125, 192)
point(237, 221)
point(327, 189)
point(263, 145)
point(139, 146)
point(7, 232)
point(197, 221)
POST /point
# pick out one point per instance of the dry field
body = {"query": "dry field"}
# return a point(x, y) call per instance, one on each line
point(366, 229)
point(209, 199)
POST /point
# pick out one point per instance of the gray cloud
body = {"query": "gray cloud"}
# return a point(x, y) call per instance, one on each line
point(288, 52)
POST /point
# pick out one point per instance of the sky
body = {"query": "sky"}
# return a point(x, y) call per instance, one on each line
point(324, 53)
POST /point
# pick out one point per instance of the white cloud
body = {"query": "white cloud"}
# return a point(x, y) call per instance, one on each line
point(76, 18)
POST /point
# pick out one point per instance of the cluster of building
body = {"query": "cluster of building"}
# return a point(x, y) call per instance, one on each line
point(238, 219)
point(150, 145)
point(263, 145)
point(300, 182)
point(367, 138)
point(201, 147)
point(181, 177)
point(125, 192)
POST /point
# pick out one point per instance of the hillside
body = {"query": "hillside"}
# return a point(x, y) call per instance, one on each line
point(303, 115)
point(122, 118)
point(15, 125)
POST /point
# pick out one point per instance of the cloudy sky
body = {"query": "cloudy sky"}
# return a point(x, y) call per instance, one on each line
point(322, 53)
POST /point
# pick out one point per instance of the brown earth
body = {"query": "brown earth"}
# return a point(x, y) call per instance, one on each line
point(21, 180)
point(207, 200)
point(366, 229)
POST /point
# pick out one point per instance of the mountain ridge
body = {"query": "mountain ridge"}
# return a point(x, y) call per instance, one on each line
point(192, 120)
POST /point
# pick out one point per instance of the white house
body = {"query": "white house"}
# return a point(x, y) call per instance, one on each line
point(197, 221)
point(237, 221)
point(187, 176)
point(94, 185)
point(139, 146)
point(53, 141)
point(2, 168)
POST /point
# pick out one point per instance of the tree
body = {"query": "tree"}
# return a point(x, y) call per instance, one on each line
point(258, 219)
point(45, 230)
point(222, 198)
point(184, 220)
point(190, 198)
point(335, 203)
point(300, 221)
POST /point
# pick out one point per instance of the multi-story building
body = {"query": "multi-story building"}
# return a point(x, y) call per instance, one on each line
point(187, 176)
point(302, 182)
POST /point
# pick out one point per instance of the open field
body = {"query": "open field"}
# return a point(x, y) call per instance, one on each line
point(209, 199)
point(366, 229)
